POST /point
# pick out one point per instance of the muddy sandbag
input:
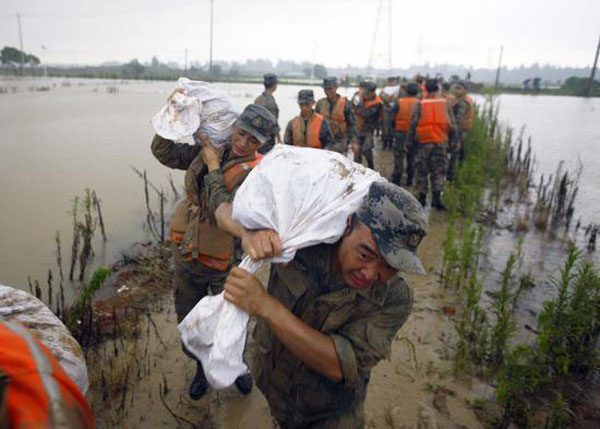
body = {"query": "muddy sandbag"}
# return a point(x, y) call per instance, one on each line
point(199, 107)
point(19, 306)
point(304, 194)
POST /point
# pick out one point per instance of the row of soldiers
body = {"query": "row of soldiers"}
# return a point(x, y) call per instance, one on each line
point(424, 124)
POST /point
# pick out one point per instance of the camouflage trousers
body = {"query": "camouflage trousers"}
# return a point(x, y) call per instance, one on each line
point(194, 281)
point(339, 146)
point(403, 149)
point(365, 142)
point(432, 162)
point(387, 134)
point(455, 156)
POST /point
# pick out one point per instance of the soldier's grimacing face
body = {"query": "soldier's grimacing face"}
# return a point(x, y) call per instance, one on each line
point(243, 143)
point(360, 264)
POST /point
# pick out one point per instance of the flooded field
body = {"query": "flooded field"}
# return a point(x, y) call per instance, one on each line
point(561, 129)
point(78, 134)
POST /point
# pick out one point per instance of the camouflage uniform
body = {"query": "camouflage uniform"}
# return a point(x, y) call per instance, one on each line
point(388, 116)
point(325, 135)
point(371, 117)
point(325, 107)
point(461, 109)
point(194, 280)
point(403, 148)
point(362, 323)
point(432, 159)
point(267, 100)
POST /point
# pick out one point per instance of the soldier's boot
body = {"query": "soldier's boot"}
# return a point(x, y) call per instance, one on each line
point(244, 383)
point(436, 202)
point(199, 384)
point(423, 199)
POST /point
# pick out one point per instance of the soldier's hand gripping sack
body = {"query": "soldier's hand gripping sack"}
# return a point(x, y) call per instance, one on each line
point(304, 194)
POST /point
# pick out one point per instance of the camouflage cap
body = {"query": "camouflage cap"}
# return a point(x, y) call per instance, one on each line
point(398, 224)
point(330, 82)
point(432, 85)
point(370, 87)
point(306, 96)
point(412, 88)
point(269, 79)
point(258, 121)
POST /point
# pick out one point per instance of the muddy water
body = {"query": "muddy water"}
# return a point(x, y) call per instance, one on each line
point(561, 129)
point(77, 135)
point(56, 143)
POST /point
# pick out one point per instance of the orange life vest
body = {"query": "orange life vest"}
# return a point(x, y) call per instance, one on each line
point(307, 134)
point(368, 104)
point(403, 116)
point(467, 122)
point(434, 124)
point(200, 239)
point(35, 391)
point(337, 119)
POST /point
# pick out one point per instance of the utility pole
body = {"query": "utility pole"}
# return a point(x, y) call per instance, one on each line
point(21, 44)
point(390, 36)
point(591, 81)
point(374, 40)
point(185, 67)
point(499, 66)
point(210, 60)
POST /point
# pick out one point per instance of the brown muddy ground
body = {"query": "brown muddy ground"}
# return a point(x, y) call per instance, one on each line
point(140, 379)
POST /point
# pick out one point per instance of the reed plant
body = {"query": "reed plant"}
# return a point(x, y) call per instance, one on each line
point(569, 329)
point(570, 325)
point(79, 318)
point(503, 305)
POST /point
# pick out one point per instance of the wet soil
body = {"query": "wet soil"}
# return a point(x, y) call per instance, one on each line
point(139, 376)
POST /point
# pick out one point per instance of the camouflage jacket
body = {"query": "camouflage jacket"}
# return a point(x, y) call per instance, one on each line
point(371, 116)
point(461, 109)
point(267, 100)
point(361, 323)
point(351, 128)
point(199, 181)
point(203, 188)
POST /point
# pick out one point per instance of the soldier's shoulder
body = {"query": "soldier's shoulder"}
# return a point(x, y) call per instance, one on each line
point(400, 292)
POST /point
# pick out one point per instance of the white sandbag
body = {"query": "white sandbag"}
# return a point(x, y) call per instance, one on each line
point(201, 107)
point(19, 306)
point(304, 194)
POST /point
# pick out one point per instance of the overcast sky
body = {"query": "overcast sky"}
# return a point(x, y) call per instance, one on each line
point(332, 32)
